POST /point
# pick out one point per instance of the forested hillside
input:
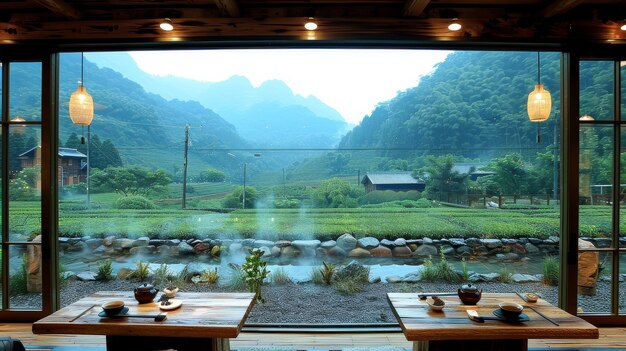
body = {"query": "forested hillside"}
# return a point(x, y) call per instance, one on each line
point(473, 100)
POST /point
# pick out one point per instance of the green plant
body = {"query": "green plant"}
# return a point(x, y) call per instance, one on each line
point(211, 276)
point(162, 275)
point(255, 271)
point(17, 283)
point(141, 272)
point(280, 277)
point(445, 272)
point(237, 280)
point(327, 271)
point(551, 270)
point(505, 274)
point(464, 269)
point(351, 278)
point(134, 202)
point(316, 276)
point(105, 270)
point(429, 274)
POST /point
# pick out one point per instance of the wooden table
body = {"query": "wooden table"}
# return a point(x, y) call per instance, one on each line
point(451, 329)
point(205, 321)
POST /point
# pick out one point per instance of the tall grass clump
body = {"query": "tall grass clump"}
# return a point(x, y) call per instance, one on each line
point(141, 272)
point(280, 277)
point(464, 269)
point(351, 278)
point(210, 276)
point(551, 270)
point(429, 273)
point(163, 276)
point(445, 272)
point(505, 275)
point(105, 270)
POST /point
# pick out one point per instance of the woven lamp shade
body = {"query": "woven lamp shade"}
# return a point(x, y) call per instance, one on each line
point(539, 104)
point(81, 107)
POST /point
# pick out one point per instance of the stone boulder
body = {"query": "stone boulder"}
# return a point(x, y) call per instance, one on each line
point(282, 243)
point(401, 251)
point(492, 243)
point(328, 244)
point(184, 249)
point(306, 244)
point(425, 250)
point(531, 248)
point(381, 251)
point(260, 243)
point(400, 242)
point(201, 247)
point(524, 278)
point(86, 276)
point(289, 252)
point(359, 253)
point(143, 241)
point(347, 242)
point(368, 243)
point(337, 252)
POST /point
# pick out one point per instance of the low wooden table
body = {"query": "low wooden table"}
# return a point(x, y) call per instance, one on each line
point(205, 321)
point(451, 329)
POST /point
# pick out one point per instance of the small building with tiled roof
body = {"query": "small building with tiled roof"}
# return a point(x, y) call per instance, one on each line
point(72, 164)
point(396, 181)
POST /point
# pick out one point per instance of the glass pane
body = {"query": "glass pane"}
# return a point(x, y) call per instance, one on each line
point(622, 205)
point(595, 184)
point(594, 281)
point(396, 207)
point(25, 182)
point(25, 90)
point(25, 274)
point(623, 88)
point(596, 89)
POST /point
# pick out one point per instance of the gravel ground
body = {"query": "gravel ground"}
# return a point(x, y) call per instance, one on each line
point(315, 304)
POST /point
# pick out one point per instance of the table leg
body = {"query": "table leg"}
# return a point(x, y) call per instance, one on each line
point(471, 345)
point(148, 343)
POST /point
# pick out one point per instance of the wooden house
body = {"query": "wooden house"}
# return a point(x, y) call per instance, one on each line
point(72, 164)
point(396, 181)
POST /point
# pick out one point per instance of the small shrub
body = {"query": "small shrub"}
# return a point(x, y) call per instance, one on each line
point(551, 270)
point(505, 275)
point(162, 275)
point(255, 271)
point(211, 276)
point(280, 277)
point(445, 272)
point(141, 272)
point(351, 278)
point(286, 203)
point(105, 270)
point(134, 202)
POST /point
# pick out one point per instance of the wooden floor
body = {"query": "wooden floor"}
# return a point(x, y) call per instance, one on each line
point(609, 338)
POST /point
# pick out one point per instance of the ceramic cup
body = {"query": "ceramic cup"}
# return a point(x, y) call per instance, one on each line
point(511, 310)
point(111, 308)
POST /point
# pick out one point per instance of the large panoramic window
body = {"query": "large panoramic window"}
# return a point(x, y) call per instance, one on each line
point(353, 173)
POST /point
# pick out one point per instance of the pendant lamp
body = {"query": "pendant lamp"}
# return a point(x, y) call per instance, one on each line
point(539, 102)
point(81, 103)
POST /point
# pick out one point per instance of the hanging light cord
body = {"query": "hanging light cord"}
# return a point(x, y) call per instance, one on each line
point(82, 68)
point(538, 69)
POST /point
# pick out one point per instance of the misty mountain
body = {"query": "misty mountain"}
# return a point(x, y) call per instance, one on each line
point(302, 119)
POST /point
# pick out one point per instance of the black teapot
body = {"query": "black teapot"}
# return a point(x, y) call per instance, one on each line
point(145, 293)
point(469, 294)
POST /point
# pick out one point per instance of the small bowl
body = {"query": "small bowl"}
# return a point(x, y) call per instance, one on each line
point(530, 297)
point(511, 310)
point(170, 293)
point(112, 308)
point(431, 303)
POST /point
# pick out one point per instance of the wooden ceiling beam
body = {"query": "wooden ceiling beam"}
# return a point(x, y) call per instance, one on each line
point(560, 7)
point(228, 8)
point(414, 8)
point(61, 8)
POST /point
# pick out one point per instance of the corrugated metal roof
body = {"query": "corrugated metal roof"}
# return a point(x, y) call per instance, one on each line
point(67, 152)
point(63, 152)
point(392, 178)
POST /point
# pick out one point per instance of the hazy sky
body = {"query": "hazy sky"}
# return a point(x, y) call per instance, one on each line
point(351, 81)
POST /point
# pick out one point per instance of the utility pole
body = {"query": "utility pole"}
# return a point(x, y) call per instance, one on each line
point(358, 177)
point(244, 185)
point(185, 166)
point(284, 186)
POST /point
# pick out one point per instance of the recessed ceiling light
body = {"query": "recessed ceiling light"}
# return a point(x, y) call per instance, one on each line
point(455, 25)
point(586, 117)
point(310, 24)
point(166, 25)
point(623, 27)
